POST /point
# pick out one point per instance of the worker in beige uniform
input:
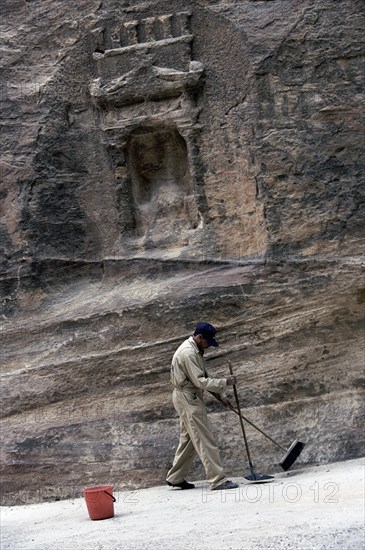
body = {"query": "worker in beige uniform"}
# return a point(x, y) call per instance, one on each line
point(190, 378)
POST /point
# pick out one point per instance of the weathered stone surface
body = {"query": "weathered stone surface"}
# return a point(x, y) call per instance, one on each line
point(164, 163)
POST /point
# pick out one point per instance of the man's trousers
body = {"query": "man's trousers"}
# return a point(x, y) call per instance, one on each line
point(195, 437)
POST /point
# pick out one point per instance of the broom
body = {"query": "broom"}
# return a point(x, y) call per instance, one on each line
point(291, 453)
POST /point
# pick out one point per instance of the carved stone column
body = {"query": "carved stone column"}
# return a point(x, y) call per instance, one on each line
point(149, 121)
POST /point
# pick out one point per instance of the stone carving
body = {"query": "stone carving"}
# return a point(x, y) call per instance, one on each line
point(162, 189)
point(146, 82)
point(170, 27)
point(150, 118)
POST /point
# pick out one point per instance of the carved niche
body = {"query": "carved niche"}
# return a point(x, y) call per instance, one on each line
point(146, 93)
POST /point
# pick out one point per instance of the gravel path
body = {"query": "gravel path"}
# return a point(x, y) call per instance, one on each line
point(315, 508)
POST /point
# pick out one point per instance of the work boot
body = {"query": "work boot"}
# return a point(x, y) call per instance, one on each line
point(183, 485)
point(226, 485)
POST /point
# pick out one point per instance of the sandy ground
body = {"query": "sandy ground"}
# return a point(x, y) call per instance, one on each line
point(315, 508)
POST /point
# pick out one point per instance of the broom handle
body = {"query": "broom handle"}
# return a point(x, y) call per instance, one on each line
point(241, 422)
point(217, 396)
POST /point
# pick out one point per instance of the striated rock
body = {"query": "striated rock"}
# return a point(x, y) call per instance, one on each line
point(164, 163)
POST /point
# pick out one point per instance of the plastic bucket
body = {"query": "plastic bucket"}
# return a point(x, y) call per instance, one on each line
point(99, 501)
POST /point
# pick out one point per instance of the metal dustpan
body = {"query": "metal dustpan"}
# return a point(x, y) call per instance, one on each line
point(254, 477)
point(259, 478)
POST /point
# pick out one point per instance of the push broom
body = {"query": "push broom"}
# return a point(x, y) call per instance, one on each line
point(291, 453)
point(254, 477)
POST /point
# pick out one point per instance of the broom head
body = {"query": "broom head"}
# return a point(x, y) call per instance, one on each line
point(291, 455)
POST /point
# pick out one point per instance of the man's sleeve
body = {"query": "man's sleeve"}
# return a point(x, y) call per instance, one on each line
point(198, 378)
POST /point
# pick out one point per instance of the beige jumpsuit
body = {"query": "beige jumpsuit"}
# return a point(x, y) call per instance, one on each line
point(189, 378)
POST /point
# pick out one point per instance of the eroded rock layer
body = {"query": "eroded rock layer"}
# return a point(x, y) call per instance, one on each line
point(164, 163)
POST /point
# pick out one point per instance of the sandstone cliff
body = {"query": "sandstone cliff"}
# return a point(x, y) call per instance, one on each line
point(164, 163)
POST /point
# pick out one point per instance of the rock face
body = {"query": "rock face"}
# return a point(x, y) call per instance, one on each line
point(165, 163)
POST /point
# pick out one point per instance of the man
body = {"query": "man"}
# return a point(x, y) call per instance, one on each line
point(190, 378)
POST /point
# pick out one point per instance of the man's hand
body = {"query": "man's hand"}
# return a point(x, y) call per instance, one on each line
point(231, 380)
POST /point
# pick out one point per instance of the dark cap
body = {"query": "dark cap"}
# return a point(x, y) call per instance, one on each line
point(208, 331)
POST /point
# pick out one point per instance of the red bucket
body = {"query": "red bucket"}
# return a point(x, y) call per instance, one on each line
point(99, 501)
